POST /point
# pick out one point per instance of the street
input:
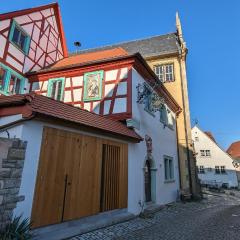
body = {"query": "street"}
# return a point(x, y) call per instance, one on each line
point(217, 216)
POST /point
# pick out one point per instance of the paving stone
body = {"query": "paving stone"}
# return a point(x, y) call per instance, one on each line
point(216, 217)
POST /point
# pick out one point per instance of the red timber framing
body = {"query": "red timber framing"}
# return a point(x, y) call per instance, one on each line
point(128, 62)
point(119, 66)
point(47, 41)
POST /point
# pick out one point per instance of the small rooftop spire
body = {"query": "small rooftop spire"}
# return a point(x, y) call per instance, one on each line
point(179, 26)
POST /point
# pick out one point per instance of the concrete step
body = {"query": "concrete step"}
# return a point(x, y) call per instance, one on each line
point(72, 228)
point(152, 208)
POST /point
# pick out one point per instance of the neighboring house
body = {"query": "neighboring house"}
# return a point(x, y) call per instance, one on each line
point(234, 152)
point(166, 55)
point(30, 40)
point(215, 166)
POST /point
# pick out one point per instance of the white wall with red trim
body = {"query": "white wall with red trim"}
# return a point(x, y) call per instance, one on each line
point(164, 142)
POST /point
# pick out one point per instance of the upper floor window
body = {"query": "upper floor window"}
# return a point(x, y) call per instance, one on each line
point(201, 169)
point(168, 168)
point(56, 88)
point(205, 153)
point(196, 139)
point(165, 72)
point(19, 37)
point(148, 101)
point(208, 154)
point(10, 81)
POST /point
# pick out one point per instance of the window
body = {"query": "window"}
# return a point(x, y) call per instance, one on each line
point(56, 88)
point(196, 139)
point(164, 115)
point(223, 169)
point(148, 100)
point(207, 152)
point(2, 78)
point(168, 168)
point(217, 170)
point(164, 72)
point(14, 85)
point(10, 81)
point(202, 153)
point(19, 37)
point(201, 169)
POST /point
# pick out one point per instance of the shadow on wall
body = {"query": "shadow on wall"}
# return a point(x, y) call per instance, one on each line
point(188, 171)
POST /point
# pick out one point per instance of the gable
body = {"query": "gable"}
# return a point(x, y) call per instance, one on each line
point(206, 143)
point(42, 25)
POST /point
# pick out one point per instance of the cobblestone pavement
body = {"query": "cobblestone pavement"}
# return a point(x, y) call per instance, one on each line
point(215, 217)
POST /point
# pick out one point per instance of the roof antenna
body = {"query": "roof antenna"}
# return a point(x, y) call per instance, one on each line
point(77, 45)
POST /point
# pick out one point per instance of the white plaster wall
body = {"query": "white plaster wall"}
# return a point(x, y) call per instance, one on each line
point(164, 143)
point(14, 132)
point(218, 158)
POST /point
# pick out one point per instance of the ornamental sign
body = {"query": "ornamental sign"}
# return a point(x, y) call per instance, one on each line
point(93, 86)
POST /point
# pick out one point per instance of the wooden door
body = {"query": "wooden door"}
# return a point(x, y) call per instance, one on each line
point(114, 176)
point(68, 180)
point(70, 184)
point(147, 178)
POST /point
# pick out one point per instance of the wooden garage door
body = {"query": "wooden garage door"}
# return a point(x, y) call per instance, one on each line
point(70, 181)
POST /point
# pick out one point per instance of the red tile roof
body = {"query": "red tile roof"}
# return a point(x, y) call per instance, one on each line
point(88, 58)
point(234, 150)
point(209, 134)
point(44, 106)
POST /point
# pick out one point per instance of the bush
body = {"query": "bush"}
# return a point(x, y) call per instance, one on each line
point(17, 229)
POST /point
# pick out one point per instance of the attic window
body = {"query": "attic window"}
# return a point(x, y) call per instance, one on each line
point(165, 72)
point(19, 37)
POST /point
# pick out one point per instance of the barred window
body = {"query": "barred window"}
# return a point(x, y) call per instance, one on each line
point(164, 72)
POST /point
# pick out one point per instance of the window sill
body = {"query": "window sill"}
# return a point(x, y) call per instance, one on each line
point(16, 46)
point(169, 181)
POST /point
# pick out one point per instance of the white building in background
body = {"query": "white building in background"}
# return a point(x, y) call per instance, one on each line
point(215, 166)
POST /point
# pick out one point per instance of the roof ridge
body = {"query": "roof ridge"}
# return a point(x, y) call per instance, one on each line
point(30, 8)
point(116, 44)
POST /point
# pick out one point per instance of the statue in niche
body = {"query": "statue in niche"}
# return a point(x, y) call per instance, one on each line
point(148, 141)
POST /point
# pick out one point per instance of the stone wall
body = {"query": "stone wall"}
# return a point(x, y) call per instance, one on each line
point(12, 155)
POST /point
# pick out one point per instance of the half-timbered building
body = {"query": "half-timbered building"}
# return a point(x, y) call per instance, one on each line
point(100, 127)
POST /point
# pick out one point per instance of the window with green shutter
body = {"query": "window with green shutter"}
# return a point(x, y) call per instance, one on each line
point(10, 81)
point(56, 88)
point(19, 37)
point(164, 115)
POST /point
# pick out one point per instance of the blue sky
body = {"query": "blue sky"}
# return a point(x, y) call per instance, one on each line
point(210, 29)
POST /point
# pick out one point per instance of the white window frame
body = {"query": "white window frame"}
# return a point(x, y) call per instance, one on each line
point(163, 72)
